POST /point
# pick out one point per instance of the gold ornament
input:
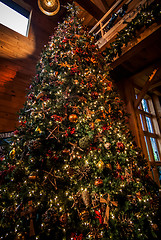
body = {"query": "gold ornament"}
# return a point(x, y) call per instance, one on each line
point(73, 118)
point(49, 7)
point(12, 153)
point(100, 164)
point(108, 165)
point(98, 182)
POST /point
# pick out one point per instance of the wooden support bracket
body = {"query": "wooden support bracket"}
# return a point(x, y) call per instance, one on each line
point(145, 88)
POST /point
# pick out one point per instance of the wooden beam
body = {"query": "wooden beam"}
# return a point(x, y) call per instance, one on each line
point(102, 4)
point(158, 93)
point(155, 85)
point(91, 8)
point(145, 88)
point(105, 4)
point(136, 44)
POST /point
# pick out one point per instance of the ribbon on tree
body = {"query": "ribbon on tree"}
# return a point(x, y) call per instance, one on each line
point(99, 216)
point(128, 174)
point(51, 135)
point(107, 212)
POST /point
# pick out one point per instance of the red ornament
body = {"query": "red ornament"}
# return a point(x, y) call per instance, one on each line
point(120, 147)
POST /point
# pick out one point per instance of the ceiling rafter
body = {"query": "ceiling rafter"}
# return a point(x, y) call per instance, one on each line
point(91, 8)
point(105, 4)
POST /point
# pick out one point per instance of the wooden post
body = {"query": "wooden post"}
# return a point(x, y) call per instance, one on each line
point(157, 108)
point(128, 93)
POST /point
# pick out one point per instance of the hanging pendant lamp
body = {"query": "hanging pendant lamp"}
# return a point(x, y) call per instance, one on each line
point(49, 7)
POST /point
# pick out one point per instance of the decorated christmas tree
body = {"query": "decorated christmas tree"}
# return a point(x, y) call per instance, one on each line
point(72, 170)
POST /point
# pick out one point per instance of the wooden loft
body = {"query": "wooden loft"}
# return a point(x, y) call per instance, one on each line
point(122, 12)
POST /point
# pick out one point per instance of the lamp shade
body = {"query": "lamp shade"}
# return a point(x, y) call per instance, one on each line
point(49, 7)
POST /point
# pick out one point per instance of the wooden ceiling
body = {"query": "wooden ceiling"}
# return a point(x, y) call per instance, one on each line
point(19, 55)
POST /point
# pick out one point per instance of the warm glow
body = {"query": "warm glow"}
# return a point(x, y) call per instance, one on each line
point(49, 3)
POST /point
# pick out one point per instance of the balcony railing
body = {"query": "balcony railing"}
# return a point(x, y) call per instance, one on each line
point(122, 12)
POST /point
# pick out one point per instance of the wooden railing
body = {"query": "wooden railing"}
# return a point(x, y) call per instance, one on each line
point(122, 12)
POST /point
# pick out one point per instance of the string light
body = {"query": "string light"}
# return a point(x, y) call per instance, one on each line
point(88, 158)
